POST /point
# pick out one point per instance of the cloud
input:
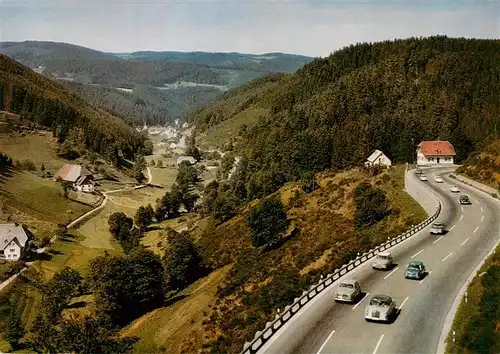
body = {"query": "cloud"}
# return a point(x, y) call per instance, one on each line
point(311, 28)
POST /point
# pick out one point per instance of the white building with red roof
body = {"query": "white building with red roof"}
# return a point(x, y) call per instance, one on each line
point(435, 152)
point(79, 176)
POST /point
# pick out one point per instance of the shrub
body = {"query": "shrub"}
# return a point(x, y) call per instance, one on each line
point(267, 220)
point(371, 205)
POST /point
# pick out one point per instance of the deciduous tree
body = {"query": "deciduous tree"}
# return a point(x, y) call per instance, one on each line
point(182, 261)
point(267, 221)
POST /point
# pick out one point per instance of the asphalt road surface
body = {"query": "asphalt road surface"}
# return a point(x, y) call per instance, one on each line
point(324, 326)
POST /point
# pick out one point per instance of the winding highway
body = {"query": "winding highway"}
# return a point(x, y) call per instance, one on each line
point(324, 326)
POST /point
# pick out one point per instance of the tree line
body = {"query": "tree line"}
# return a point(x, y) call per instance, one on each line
point(71, 119)
point(336, 110)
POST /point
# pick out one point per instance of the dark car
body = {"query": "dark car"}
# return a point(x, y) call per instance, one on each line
point(418, 171)
point(415, 270)
point(464, 200)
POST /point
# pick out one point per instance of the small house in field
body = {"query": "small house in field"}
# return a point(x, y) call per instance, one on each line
point(13, 239)
point(435, 153)
point(79, 176)
point(378, 158)
point(190, 159)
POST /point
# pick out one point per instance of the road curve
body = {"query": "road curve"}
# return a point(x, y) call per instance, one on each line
point(326, 327)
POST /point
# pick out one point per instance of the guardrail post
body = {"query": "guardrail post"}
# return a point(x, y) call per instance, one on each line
point(466, 297)
point(453, 336)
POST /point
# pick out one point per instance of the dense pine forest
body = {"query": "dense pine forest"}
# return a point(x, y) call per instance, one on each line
point(390, 95)
point(72, 120)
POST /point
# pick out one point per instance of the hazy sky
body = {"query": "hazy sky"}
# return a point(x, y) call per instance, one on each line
point(313, 28)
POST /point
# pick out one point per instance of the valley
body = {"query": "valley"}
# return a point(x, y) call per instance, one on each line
point(190, 234)
point(159, 86)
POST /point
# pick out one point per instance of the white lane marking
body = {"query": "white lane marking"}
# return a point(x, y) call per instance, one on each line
point(475, 230)
point(388, 275)
point(378, 344)
point(482, 209)
point(451, 228)
point(416, 254)
point(462, 208)
point(425, 277)
point(463, 243)
point(438, 239)
point(326, 341)
point(461, 217)
point(404, 301)
point(482, 218)
point(477, 201)
point(448, 256)
point(360, 301)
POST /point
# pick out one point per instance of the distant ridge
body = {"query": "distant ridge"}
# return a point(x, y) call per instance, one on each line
point(98, 76)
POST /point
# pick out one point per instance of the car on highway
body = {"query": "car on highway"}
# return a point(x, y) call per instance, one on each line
point(437, 228)
point(348, 291)
point(383, 260)
point(464, 200)
point(455, 189)
point(438, 179)
point(415, 270)
point(380, 308)
point(423, 178)
point(418, 171)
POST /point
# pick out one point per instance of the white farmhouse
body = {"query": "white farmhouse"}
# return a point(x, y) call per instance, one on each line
point(13, 240)
point(435, 152)
point(79, 176)
point(378, 158)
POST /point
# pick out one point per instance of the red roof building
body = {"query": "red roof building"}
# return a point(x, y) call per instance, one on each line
point(78, 175)
point(435, 152)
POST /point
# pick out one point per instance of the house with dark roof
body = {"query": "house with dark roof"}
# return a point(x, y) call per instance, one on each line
point(79, 176)
point(378, 158)
point(13, 241)
point(435, 153)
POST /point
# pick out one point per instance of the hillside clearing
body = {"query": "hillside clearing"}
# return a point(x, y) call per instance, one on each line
point(220, 134)
point(38, 203)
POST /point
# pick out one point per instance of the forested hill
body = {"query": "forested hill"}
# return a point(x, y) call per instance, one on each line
point(167, 83)
point(390, 95)
point(76, 123)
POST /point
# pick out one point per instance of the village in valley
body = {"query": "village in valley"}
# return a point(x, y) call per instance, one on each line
point(103, 189)
point(80, 195)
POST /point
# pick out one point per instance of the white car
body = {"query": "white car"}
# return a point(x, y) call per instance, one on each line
point(423, 178)
point(380, 308)
point(438, 179)
point(455, 189)
point(383, 260)
point(348, 291)
point(438, 228)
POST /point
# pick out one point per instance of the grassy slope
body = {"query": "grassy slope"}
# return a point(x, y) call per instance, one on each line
point(484, 165)
point(324, 218)
point(71, 252)
point(24, 195)
point(243, 105)
point(467, 310)
point(166, 329)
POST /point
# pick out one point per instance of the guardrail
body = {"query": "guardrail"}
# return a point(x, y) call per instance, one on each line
point(261, 337)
